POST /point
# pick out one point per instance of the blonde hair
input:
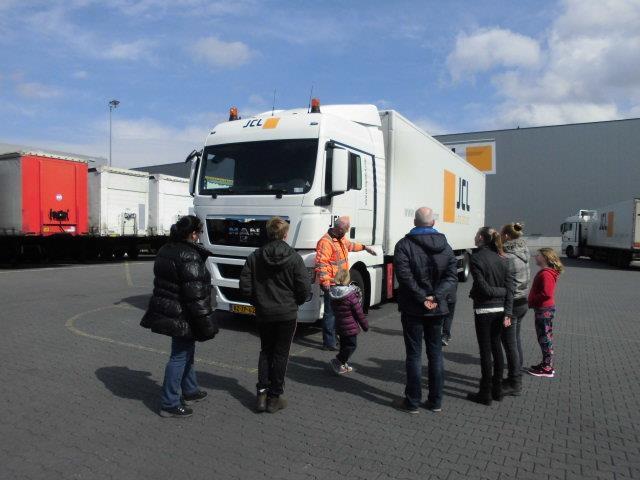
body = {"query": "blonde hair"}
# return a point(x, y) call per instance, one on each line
point(342, 278)
point(277, 228)
point(513, 230)
point(552, 259)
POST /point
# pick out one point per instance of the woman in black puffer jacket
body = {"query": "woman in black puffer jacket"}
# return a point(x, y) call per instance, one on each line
point(181, 308)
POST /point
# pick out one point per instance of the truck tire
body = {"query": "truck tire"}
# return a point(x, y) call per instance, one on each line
point(356, 279)
point(463, 275)
point(133, 253)
point(571, 253)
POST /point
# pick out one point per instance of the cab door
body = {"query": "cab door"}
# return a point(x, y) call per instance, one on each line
point(354, 202)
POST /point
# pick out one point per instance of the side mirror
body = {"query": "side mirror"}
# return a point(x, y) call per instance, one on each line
point(339, 170)
point(194, 158)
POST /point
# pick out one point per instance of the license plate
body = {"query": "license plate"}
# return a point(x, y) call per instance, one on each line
point(243, 309)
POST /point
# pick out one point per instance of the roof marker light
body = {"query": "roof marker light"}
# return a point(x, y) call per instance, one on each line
point(315, 105)
point(233, 114)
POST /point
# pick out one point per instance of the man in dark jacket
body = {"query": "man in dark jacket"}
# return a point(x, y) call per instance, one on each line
point(426, 270)
point(276, 282)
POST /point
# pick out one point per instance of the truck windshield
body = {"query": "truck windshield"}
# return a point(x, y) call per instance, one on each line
point(260, 168)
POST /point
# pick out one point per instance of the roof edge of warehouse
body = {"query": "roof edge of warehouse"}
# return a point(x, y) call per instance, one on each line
point(536, 127)
point(9, 149)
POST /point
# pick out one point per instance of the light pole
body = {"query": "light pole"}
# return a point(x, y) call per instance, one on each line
point(113, 104)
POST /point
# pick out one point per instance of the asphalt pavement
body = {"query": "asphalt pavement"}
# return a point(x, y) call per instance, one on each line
point(80, 385)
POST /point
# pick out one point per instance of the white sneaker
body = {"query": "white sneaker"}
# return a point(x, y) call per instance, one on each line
point(337, 368)
point(348, 367)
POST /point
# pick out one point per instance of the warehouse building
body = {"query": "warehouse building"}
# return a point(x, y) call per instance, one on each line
point(540, 175)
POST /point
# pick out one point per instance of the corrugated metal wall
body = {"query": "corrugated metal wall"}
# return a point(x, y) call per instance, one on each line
point(545, 174)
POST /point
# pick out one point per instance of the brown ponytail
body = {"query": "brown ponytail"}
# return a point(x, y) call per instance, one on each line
point(513, 230)
point(492, 239)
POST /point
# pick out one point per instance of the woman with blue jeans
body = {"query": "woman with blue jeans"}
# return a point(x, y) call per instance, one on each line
point(181, 308)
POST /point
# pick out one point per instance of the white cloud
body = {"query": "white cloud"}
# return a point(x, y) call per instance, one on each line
point(37, 90)
point(430, 126)
point(128, 51)
point(219, 53)
point(80, 74)
point(488, 48)
point(588, 68)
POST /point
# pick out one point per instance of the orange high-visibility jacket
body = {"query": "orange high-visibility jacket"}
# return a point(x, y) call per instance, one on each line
point(332, 254)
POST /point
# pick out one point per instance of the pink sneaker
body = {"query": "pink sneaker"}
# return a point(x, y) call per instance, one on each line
point(541, 371)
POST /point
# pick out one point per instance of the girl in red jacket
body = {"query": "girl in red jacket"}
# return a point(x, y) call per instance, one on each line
point(541, 299)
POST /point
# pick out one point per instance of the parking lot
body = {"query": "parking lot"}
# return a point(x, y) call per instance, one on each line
point(80, 382)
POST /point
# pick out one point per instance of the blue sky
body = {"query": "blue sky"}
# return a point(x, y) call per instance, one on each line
point(177, 66)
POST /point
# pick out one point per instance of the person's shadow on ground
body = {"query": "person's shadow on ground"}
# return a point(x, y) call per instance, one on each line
point(138, 385)
point(394, 370)
point(318, 374)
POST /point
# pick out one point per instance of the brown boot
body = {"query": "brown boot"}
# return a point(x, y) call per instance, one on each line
point(276, 403)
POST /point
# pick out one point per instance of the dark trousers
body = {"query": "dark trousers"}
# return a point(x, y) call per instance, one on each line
point(512, 348)
point(275, 343)
point(489, 333)
point(448, 320)
point(414, 330)
point(348, 345)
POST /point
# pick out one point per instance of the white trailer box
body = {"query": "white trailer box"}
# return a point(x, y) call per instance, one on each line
point(423, 172)
point(616, 226)
point(169, 199)
point(118, 202)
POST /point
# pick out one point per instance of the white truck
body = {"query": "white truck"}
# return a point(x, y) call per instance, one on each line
point(313, 165)
point(610, 233)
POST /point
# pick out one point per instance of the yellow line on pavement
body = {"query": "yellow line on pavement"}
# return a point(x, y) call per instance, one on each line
point(71, 326)
point(127, 273)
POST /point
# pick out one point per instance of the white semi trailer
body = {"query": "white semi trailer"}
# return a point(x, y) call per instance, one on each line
point(610, 233)
point(311, 166)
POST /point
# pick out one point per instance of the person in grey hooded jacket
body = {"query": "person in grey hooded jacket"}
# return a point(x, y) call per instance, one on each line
point(516, 250)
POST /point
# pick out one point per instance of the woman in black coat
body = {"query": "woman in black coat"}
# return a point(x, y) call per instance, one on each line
point(492, 294)
point(181, 308)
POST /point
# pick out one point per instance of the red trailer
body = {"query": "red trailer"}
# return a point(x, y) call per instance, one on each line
point(43, 201)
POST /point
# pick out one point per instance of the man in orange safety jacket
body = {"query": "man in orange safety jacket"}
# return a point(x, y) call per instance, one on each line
point(332, 255)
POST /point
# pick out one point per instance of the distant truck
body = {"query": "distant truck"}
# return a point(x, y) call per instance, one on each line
point(610, 233)
point(313, 165)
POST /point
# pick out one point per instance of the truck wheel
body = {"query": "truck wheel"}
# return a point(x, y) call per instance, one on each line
point(463, 275)
point(133, 253)
point(571, 253)
point(356, 279)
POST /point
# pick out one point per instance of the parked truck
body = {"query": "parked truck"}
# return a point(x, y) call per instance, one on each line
point(610, 233)
point(58, 205)
point(313, 165)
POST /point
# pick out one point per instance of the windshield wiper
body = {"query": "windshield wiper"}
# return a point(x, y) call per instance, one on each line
point(222, 191)
point(278, 192)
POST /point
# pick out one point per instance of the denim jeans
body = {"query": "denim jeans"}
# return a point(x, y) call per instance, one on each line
point(509, 337)
point(518, 316)
point(348, 345)
point(489, 333)
point(328, 323)
point(448, 319)
point(414, 330)
point(275, 344)
point(179, 374)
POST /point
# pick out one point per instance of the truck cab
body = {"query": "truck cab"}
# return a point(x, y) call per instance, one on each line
point(575, 231)
point(304, 165)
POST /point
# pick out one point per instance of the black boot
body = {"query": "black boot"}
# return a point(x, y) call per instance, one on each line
point(512, 387)
point(496, 390)
point(261, 402)
point(483, 398)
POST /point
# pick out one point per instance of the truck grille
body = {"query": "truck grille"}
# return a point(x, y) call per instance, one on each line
point(239, 232)
point(230, 271)
point(232, 294)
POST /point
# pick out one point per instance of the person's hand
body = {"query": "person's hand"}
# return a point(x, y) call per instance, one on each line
point(430, 303)
point(507, 322)
point(371, 251)
point(325, 288)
